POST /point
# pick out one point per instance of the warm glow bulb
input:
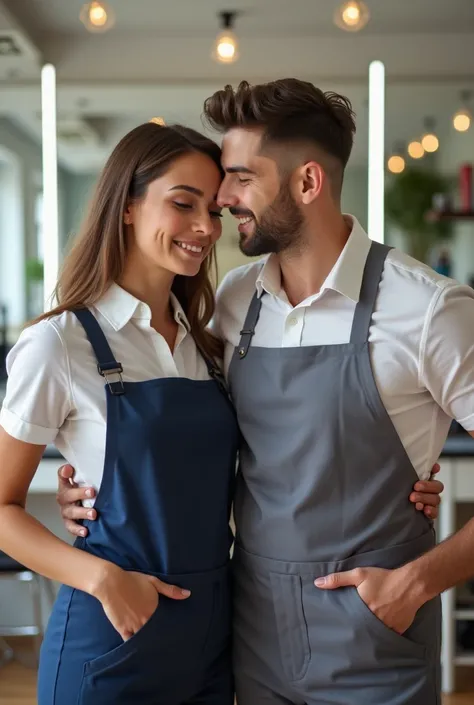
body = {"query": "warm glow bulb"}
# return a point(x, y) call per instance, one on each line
point(225, 50)
point(396, 164)
point(352, 15)
point(462, 121)
point(415, 150)
point(430, 143)
point(97, 16)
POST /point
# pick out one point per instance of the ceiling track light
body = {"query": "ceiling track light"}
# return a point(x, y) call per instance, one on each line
point(226, 45)
point(97, 16)
point(352, 15)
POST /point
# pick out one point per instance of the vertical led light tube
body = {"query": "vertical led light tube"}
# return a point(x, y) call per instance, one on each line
point(376, 171)
point(50, 183)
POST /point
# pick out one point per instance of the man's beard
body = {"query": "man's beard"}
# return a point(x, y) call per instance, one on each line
point(280, 227)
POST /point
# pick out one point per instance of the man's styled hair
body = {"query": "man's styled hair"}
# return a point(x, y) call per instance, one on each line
point(289, 111)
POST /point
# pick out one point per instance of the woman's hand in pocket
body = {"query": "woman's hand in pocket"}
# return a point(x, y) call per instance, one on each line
point(129, 599)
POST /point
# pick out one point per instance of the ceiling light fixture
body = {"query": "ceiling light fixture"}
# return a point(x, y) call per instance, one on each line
point(352, 16)
point(429, 141)
point(463, 118)
point(97, 16)
point(226, 44)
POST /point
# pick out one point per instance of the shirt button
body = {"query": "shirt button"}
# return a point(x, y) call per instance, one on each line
point(293, 321)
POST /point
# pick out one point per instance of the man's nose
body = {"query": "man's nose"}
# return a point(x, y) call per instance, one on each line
point(225, 199)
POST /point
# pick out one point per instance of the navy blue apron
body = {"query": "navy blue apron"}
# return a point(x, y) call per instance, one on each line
point(163, 509)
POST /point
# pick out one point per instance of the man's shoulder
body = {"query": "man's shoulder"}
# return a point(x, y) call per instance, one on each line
point(408, 275)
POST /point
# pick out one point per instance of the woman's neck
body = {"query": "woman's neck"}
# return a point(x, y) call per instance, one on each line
point(154, 289)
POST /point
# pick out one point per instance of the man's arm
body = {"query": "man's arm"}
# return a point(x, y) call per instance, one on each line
point(425, 497)
point(447, 372)
point(395, 596)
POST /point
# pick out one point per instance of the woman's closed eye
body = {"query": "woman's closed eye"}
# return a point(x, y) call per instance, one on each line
point(189, 206)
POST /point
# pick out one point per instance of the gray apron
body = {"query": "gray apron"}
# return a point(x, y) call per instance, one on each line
point(323, 486)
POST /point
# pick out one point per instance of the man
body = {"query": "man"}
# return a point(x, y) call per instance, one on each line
point(345, 362)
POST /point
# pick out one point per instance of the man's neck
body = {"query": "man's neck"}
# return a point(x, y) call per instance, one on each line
point(304, 272)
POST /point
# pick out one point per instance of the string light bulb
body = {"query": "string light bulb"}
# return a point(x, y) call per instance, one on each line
point(462, 118)
point(226, 44)
point(97, 16)
point(396, 164)
point(352, 15)
point(416, 150)
point(429, 141)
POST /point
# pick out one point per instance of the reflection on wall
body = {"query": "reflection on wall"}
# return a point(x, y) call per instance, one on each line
point(20, 227)
point(76, 190)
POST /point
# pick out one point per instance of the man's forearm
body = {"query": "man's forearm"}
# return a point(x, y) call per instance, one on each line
point(448, 564)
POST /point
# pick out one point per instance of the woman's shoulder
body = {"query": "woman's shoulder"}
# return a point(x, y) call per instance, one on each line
point(50, 336)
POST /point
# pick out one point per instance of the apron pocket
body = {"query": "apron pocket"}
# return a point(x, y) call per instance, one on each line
point(375, 625)
point(291, 624)
point(121, 652)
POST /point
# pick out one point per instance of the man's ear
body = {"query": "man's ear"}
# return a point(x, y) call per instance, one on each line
point(309, 182)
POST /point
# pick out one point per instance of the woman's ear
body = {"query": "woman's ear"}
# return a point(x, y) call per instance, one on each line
point(127, 216)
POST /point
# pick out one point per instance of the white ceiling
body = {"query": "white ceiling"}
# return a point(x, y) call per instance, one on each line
point(263, 18)
point(156, 61)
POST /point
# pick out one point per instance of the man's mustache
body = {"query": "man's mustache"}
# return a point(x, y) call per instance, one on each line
point(242, 212)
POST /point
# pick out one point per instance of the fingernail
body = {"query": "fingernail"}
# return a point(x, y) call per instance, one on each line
point(89, 493)
point(186, 593)
point(82, 532)
point(90, 514)
point(319, 582)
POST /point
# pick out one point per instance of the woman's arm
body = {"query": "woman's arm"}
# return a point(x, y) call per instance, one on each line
point(26, 539)
point(128, 598)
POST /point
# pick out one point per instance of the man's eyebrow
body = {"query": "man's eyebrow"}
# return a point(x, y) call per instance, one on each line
point(238, 170)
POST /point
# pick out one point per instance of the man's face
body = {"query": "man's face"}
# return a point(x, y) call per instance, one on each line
point(255, 193)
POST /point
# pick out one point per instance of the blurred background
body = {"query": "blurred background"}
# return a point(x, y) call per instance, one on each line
point(120, 63)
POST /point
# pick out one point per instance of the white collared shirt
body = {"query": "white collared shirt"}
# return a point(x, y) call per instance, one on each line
point(421, 340)
point(54, 392)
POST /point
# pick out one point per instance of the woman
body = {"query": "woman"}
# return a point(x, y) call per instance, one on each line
point(122, 377)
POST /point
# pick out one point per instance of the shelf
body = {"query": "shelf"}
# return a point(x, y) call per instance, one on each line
point(465, 614)
point(464, 659)
point(434, 216)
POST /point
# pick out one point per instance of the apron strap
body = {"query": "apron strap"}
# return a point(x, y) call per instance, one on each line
point(106, 362)
point(248, 330)
point(213, 370)
point(373, 271)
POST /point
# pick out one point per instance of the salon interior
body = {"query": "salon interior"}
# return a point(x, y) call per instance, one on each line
point(75, 77)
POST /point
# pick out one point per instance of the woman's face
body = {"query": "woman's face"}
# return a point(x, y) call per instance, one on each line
point(178, 222)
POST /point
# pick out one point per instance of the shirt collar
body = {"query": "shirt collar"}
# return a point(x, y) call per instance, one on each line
point(345, 276)
point(119, 307)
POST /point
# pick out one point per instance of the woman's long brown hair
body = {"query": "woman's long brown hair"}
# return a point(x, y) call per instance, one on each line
point(97, 257)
